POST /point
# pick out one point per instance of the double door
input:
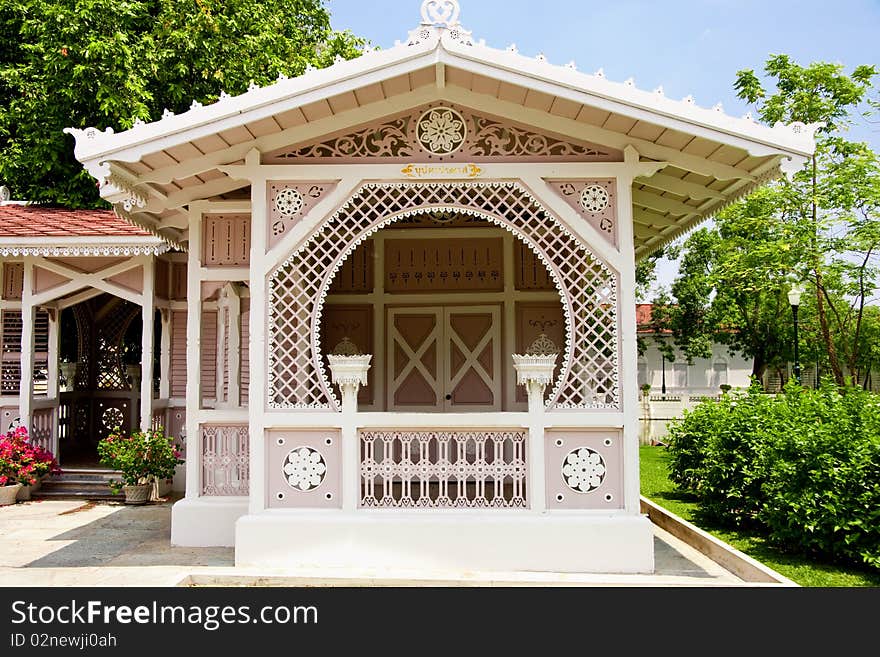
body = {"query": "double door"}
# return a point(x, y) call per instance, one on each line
point(444, 359)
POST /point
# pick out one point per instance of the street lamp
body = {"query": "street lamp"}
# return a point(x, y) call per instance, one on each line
point(794, 298)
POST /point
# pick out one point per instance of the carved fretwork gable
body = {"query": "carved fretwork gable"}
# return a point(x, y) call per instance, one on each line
point(445, 133)
point(594, 200)
point(290, 202)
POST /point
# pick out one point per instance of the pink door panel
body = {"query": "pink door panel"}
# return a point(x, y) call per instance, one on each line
point(413, 367)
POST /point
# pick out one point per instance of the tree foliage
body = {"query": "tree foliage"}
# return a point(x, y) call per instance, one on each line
point(820, 227)
point(80, 63)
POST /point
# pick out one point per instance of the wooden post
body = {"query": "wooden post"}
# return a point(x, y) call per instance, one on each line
point(350, 373)
point(165, 356)
point(258, 319)
point(629, 353)
point(535, 372)
point(26, 382)
point(193, 354)
point(148, 311)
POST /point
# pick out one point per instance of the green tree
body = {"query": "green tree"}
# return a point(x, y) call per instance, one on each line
point(831, 205)
point(821, 226)
point(79, 63)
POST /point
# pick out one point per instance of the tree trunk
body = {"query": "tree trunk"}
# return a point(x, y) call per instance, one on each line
point(759, 368)
point(820, 301)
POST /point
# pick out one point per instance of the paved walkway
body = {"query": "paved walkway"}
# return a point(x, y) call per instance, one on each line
point(73, 543)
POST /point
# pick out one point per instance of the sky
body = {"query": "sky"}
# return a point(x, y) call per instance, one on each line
point(689, 47)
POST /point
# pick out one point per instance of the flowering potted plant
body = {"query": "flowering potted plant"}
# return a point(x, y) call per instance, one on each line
point(143, 458)
point(22, 466)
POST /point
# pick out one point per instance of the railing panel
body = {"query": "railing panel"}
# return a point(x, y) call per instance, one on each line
point(43, 428)
point(225, 461)
point(443, 469)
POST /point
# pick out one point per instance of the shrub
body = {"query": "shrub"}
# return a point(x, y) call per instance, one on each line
point(21, 461)
point(142, 457)
point(719, 453)
point(823, 494)
point(803, 466)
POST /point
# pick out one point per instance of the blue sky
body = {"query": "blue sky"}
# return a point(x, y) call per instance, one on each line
point(688, 46)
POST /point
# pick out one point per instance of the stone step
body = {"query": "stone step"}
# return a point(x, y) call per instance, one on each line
point(95, 494)
point(81, 483)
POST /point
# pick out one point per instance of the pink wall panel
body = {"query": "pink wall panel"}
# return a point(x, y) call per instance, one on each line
point(178, 354)
point(533, 319)
point(13, 280)
point(87, 265)
point(284, 488)
point(356, 324)
point(226, 240)
point(178, 281)
point(444, 264)
point(46, 280)
point(209, 354)
point(584, 469)
point(245, 350)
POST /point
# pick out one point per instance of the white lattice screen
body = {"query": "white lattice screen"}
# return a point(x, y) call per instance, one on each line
point(298, 288)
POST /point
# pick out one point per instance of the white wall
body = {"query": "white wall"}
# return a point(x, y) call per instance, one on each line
point(703, 377)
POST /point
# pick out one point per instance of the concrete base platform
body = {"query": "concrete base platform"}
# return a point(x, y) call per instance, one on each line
point(205, 522)
point(72, 543)
point(444, 542)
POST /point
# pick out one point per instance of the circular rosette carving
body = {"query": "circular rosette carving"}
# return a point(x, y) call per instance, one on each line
point(583, 470)
point(304, 469)
point(289, 202)
point(112, 418)
point(594, 199)
point(441, 131)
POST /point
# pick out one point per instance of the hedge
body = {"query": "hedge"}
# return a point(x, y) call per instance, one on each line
point(802, 466)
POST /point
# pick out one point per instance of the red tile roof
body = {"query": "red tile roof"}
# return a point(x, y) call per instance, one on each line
point(40, 221)
point(644, 311)
point(644, 316)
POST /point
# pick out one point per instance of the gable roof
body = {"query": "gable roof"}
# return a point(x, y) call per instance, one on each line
point(31, 229)
point(158, 169)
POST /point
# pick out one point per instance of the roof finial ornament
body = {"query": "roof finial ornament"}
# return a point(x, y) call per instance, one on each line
point(440, 19)
point(440, 13)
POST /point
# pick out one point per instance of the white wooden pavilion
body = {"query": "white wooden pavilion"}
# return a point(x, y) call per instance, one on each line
point(408, 324)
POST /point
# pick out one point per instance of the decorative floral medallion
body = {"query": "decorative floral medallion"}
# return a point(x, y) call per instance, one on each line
point(543, 346)
point(594, 199)
point(304, 468)
point(583, 470)
point(112, 418)
point(289, 202)
point(441, 131)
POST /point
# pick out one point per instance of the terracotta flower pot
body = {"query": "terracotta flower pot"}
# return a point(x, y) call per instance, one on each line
point(137, 495)
point(8, 494)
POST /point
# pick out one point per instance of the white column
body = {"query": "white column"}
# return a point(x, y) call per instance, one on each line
point(26, 389)
point(165, 356)
point(258, 353)
point(350, 373)
point(629, 352)
point(193, 354)
point(52, 374)
point(54, 334)
point(148, 311)
point(535, 372)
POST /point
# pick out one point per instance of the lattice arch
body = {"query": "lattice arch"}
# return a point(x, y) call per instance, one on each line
point(588, 287)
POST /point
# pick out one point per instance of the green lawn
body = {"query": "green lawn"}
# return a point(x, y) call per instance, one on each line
point(806, 572)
